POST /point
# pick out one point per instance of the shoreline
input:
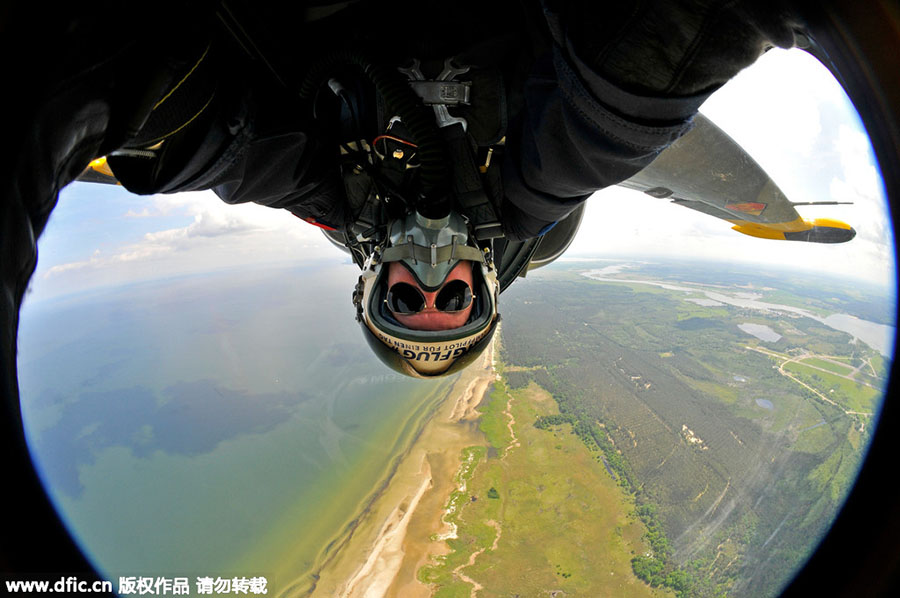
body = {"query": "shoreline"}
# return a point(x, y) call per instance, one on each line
point(378, 572)
point(304, 583)
point(396, 535)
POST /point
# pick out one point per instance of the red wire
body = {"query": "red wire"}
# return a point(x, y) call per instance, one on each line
point(397, 139)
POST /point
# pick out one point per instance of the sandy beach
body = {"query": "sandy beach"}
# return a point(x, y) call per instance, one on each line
point(395, 537)
point(377, 574)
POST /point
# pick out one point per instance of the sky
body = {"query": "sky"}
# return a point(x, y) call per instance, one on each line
point(786, 111)
point(793, 118)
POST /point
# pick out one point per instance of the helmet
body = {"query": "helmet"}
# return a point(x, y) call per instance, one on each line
point(418, 198)
point(429, 249)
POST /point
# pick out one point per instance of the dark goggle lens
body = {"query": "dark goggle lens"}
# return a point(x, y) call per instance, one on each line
point(454, 296)
point(405, 299)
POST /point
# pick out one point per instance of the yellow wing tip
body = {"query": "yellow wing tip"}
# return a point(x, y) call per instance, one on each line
point(98, 171)
point(759, 231)
point(820, 230)
point(830, 223)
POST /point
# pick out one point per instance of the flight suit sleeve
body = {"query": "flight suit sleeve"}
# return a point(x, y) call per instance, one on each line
point(252, 142)
point(258, 147)
point(278, 161)
point(617, 87)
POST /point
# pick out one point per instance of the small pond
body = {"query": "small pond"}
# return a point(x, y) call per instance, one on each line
point(760, 331)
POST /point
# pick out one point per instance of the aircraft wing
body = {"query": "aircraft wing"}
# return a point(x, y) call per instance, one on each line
point(707, 171)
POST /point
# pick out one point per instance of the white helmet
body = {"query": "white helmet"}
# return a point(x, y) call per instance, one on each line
point(429, 249)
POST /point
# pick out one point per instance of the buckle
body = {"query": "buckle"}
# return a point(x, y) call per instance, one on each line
point(488, 230)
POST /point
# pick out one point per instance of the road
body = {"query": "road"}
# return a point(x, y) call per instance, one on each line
point(786, 359)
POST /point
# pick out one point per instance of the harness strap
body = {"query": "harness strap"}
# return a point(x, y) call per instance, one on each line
point(431, 254)
point(468, 187)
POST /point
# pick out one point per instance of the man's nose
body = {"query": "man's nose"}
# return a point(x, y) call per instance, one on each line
point(430, 299)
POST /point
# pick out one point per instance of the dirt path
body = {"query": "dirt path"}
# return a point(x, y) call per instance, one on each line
point(514, 442)
point(477, 587)
point(511, 422)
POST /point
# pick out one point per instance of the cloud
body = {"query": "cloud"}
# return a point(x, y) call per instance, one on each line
point(783, 111)
point(790, 87)
point(860, 177)
point(181, 234)
point(144, 213)
point(211, 219)
point(93, 260)
point(130, 253)
point(858, 181)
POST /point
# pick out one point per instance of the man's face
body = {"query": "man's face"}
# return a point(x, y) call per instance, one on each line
point(431, 318)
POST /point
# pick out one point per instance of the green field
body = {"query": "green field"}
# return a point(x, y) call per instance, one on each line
point(492, 422)
point(543, 516)
point(882, 367)
point(848, 393)
point(836, 368)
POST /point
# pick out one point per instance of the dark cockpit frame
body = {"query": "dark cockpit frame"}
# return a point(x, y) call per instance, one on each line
point(860, 556)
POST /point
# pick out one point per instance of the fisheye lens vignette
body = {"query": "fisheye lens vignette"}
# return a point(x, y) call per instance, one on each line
point(623, 412)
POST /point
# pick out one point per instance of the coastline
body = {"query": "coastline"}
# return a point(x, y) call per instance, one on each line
point(378, 572)
point(396, 534)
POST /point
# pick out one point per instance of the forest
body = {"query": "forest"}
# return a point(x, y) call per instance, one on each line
point(736, 468)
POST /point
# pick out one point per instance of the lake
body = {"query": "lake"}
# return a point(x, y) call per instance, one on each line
point(760, 331)
point(878, 336)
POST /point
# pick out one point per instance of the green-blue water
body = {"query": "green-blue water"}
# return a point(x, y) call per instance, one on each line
point(224, 424)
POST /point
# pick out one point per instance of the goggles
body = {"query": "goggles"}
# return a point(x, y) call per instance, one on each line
point(405, 299)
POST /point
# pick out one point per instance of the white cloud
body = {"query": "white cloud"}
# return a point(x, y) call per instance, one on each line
point(860, 176)
point(217, 236)
point(144, 213)
point(791, 88)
